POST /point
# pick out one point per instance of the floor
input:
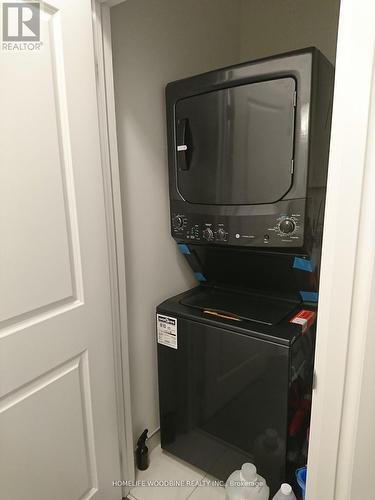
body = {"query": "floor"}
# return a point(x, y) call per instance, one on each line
point(164, 467)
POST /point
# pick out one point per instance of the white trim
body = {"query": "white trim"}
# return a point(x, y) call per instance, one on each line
point(343, 248)
point(111, 178)
point(361, 329)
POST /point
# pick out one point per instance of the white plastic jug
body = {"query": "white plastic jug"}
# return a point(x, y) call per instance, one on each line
point(246, 484)
point(285, 493)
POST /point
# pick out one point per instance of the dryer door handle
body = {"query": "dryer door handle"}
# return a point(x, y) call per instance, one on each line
point(184, 144)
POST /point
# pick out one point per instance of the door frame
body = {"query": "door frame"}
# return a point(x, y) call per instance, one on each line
point(348, 257)
point(348, 239)
point(113, 207)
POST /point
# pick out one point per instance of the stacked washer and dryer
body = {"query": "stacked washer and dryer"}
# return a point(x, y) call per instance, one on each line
point(248, 152)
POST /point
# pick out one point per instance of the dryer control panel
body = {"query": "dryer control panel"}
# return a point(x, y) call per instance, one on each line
point(282, 229)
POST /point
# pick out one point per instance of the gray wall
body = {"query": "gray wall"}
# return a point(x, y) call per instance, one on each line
point(275, 26)
point(154, 42)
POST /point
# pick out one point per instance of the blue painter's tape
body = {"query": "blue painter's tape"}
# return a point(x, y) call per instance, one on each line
point(184, 249)
point(303, 264)
point(309, 296)
point(200, 277)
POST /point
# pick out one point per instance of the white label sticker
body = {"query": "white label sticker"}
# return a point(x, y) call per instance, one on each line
point(167, 330)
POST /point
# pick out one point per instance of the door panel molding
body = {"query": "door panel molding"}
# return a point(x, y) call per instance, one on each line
point(66, 153)
point(78, 368)
point(39, 315)
point(51, 21)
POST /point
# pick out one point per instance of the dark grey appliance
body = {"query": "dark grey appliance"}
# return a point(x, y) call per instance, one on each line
point(235, 382)
point(248, 152)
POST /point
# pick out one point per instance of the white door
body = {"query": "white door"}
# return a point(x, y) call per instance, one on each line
point(58, 429)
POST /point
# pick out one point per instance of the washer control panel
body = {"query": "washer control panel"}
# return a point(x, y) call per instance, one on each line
point(280, 230)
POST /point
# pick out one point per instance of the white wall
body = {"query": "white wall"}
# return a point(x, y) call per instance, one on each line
point(154, 42)
point(356, 452)
point(275, 26)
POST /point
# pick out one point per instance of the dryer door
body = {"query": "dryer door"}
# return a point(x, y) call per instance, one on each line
point(235, 146)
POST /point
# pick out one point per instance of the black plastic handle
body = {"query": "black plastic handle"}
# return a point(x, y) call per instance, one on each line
point(184, 144)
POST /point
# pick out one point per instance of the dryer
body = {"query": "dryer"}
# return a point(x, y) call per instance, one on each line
point(248, 152)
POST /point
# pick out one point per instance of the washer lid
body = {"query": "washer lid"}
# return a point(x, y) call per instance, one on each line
point(267, 310)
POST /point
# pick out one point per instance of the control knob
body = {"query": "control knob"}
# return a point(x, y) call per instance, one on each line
point(178, 222)
point(208, 234)
point(287, 226)
point(221, 235)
